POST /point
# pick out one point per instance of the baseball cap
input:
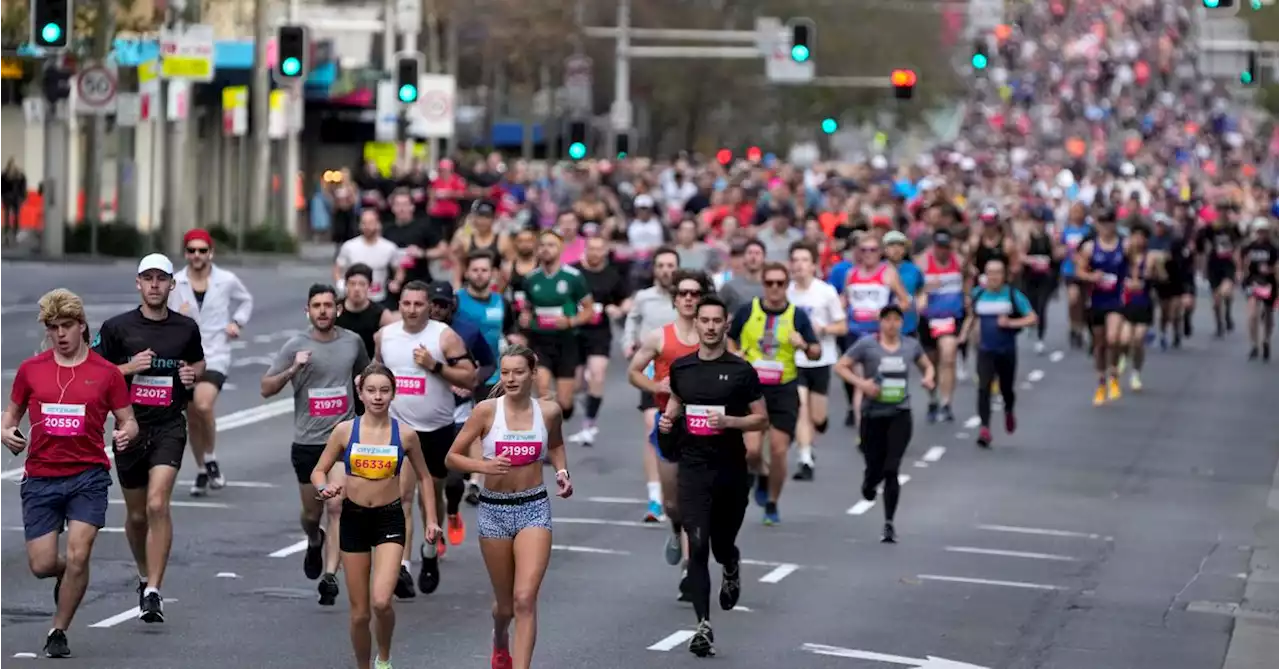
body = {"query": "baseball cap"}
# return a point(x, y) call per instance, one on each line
point(483, 208)
point(941, 237)
point(439, 291)
point(894, 237)
point(155, 261)
point(1261, 223)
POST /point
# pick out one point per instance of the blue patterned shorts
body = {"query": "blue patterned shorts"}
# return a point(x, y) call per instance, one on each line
point(502, 515)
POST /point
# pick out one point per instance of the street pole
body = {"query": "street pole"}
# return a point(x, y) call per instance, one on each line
point(260, 95)
point(451, 68)
point(296, 110)
point(174, 148)
point(102, 34)
point(126, 166)
point(52, 241)
point(622, 74)
point(432, 15)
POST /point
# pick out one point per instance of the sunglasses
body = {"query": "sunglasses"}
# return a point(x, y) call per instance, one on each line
point(689, 293)
point(869, 249)
point(198, 250)
point(775, 283)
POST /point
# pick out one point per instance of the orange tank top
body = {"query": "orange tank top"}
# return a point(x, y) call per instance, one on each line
point(672, 349)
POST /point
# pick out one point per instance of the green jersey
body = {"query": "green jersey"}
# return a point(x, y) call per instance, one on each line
point(553, 295)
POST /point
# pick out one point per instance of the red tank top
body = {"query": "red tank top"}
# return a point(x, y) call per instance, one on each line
point(672, 349)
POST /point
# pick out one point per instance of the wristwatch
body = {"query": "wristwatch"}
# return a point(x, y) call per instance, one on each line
point(436, 368)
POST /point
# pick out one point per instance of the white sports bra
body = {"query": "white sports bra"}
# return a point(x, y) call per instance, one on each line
point(522, 447)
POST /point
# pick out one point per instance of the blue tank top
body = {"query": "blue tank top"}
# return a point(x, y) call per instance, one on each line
point(489, 317)
point(912, 280)
point(1072, 236)
point(1108, 292)
point(1142, 296)
point(374, 462)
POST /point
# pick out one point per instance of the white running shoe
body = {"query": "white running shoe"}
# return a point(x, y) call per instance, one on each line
point(586, 436)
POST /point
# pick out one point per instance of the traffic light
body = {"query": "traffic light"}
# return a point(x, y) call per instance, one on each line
point(577, 140)
point(754, 154)
point(724, 157)
point(904, 83)
point(622, 145)
point(408, 74)
point(802, 38)
point(1255, 5)
point(56, 82)
point(293, 53)
point(979, 59)
point(51, 23)
point(830, 126)
point(1219, 4)
point(1249, 76)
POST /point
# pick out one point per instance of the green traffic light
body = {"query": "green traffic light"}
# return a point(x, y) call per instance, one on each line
point(50, 33)
point(799, 53)
point(1246, 77)
point(291, 66)
point(408, 93)
point(577, 150)
point(1255, 5)
point(1211, 4)
point(829, 126)
point(979, 61)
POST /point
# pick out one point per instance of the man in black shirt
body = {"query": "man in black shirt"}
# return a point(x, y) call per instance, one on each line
point(161, 356)
point(609, 288)
point(715, 397)
point(1259, 258)
point(420, 242)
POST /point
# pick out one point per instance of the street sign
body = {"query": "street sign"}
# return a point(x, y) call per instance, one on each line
point(277, 121)
point(187, 53)
point(235, 111)
point(386, 120)
point(780, 67)
point(409, 16)
point(620, 115)
point(96, 90)
point(177, 100)
point(128, 109)
point(985, 15)
point(578, 82)
point(434, 113)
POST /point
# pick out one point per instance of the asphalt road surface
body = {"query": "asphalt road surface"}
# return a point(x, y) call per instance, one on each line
point(1122, 537)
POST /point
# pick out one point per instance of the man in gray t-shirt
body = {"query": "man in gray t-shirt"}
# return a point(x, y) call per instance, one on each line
point(323, 388)
point(890, 369)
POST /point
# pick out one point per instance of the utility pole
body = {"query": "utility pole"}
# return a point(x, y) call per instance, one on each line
point(56, 130)
point(620, 112)
point(451, 67)
point(434, 64)
point(260, 97)
point(295, 110)
point(97, 128)
point(126, 167)
point(175, 222)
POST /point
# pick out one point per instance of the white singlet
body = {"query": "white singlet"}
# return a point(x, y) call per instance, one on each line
point(521, 446)
point(424, 401)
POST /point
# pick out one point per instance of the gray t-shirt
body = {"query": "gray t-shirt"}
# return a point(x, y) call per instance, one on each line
point(890, 370)
point(740, 290)
point(323, 390)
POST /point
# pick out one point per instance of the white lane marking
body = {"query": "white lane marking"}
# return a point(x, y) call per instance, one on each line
point(184, 503)
point(920, 463)
point(934, 454)
point(863, 506)
point(115, 530)
point(603, 521)
point(26, 656)
point(227, 574)
point(1057, 356)
point(973, 422)
point(742, 608)
point(673, 640)
point(239, 484)
point(1039, 531)
point(588, 549)
point(1025, 385)
point(903, 479)
point(131, 614)
point(1017, 554)
point(927, 662)
point(290, 549)
point(262, 339)
point(761, 563)
point(1036, 376)
point(261, 360)
point(780, 572)
point(962, 435)
point(230, 421)
point(984, 581)
point(238, 345)
point(617, 500)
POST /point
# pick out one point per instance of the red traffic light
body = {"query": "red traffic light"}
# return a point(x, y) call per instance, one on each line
point(754, 154)
point(724, 156)
point(903, 78)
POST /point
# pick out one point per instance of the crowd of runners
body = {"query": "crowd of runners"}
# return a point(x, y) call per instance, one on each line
point(474, 314)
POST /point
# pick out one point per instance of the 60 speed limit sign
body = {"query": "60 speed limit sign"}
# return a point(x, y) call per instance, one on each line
point(96, 90)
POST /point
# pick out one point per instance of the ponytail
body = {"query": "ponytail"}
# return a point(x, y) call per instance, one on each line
point(518, 351)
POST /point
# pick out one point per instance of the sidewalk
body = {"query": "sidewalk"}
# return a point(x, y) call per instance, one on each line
point(1255, 637)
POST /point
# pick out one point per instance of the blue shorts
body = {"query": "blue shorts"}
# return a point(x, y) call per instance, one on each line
point(503, 515)
point(48, 503)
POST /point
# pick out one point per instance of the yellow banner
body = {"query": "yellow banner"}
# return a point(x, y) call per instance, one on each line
point(147, 72)
point(197, 68)
point(235, 97)
point(383, 154)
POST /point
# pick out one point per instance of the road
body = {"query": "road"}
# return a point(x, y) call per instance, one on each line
point(1115, 538)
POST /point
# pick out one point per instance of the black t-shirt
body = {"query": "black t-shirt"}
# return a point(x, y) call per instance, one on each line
point(1219, 243)
point(1260, 259)
point(727, 381)
point(414, 233)
point(364, 323)
point(157, 393)
point(607, 286)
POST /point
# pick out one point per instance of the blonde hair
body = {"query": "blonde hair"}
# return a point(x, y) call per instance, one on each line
point(517, 351)
point(61, 304)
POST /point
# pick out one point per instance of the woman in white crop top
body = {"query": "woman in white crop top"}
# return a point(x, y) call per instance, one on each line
point(519, 432)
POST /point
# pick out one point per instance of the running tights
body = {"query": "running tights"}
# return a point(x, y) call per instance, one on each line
point(884, 442)
point(999, 366)
point(1038, 293)
point(713, 501)
point(455, 486)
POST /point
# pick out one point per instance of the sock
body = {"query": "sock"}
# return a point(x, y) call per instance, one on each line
point(655, 491)
point(568, 413)
point(406, 564)
point(806, 455)
point(150, 591)
point(210, 458)
point(820, 428)
point(143, 581)
point(593, 407)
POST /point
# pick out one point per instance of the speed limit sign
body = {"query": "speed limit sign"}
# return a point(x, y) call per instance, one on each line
point(96, 90)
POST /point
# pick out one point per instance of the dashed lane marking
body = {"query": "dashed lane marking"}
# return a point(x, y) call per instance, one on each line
point(1036, 376)
point(780, 572)
point(1041, 531)
point(603, 521)
point(184, 503)
point(1057, 356)
point(863, 506)
point(934, 454)
point(227, 574)
point(672, 640)
point(25, 656)
point(617, 500)
point(984, 581)
point(290, 549)
point(588, 549)
point(1016, 554)
point(114, 530)
point(130, 614)
point(238, 484)
point(920, 463)
point(972, 423)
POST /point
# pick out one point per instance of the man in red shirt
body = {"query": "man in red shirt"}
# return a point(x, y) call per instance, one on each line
point(68, 390)
point(447, 190)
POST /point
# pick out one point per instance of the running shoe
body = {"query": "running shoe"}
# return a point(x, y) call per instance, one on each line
point(1122, 364)
point(1164, 342)
point(1266, 351)
point(1231, 322)
point(1039, 348)
point(152, 610)
point(200, 487)
point(500, 659)
point(1113, 388)
point(703, 642)
point(984, 437)
point(762, 491)
point(803, 473)
point(890, 535)
point(654, 512)
point(404, 584)
point(381, 664)
point(429, 572)
point(932, 415)
point(945, 415)
point(216, 480)
point(473, 493)
point(586, 436)
point(457, 530)
point(313, 560)
point(771, 514)
point(1010, 422)
point(849, 419)
point(328, 590)
point(1100, 395)
point(441, 546)
point(55, 645)
point(671, 550)
point(1253, 353)
point(1135, 382)
point(730, 587)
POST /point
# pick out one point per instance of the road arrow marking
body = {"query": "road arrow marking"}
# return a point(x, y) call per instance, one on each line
point(928, 662)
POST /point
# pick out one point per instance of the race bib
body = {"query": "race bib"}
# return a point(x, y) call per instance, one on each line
point(406, 261)
point(518, 297)
point(769, 371)
point(152, 391)
point(63, 420)
point(1073, 241)
point(1262, 291)
point(598, 315)
point(411, 385)
point(521, 448)
point(865, 315)
point(373, 462)
point(940, 327)
point(494, 315)
point(375, 288)
point(1038, 264)
point(1107, 281)
point(324, 402)
point(892, 391)
point(548, 316)
point(696, 419)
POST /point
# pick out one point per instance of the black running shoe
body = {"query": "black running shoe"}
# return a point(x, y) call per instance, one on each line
point(849, 420)
point(703, 642)
point(1253, 353)
point(200, 487)
point(216, 480)
point(328, 589)
point(473, 493)
point(945, 414)
point(55, 645)
point(890, 535)
point(404, 584)
point(730, 587)
point(313, 561)
point(803, 473)
point(152, 610)
point(429, 573)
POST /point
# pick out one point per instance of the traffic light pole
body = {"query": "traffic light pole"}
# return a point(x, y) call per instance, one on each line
point(55, 175)
point(289, 187)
